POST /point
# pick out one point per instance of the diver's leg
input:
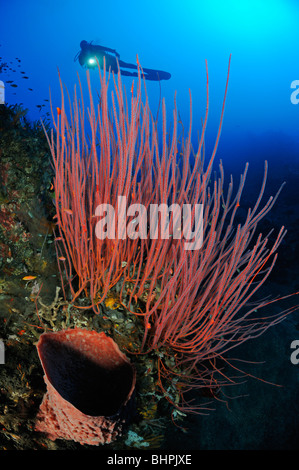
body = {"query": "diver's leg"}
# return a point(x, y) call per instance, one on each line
point(126, 65)
point(152, 74)
point(128, 74)
point(149, 74)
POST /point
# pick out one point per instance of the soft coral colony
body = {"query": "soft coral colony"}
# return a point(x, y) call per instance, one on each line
point(192, 304)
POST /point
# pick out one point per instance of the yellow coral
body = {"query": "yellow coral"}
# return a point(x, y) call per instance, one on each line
point(150, 412)
point(112, 302)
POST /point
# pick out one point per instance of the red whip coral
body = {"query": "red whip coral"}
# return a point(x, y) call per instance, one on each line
point(90, 383)
point(194, 303)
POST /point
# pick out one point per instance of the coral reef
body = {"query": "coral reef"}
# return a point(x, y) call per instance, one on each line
point(30, 294)
point(175, 315)
point(193, 305)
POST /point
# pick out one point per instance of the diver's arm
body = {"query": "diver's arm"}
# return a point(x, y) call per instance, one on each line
point(108, 49)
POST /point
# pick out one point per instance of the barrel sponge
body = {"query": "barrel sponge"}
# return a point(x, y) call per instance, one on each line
point(90, 385)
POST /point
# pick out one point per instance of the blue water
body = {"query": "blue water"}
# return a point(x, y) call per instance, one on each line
point(260, 122)
point(176, 37)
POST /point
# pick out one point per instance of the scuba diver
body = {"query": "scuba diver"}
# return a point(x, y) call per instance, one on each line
point(89, 53)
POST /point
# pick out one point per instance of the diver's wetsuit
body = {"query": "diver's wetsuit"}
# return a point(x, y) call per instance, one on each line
point(89, 51)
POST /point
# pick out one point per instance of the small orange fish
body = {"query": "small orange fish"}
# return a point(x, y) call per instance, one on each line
point(68, 211)
point(29, 278)
point(62, 258)
point(58, 111)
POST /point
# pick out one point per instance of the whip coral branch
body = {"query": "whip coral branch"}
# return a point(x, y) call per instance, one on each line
point(194, 303)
